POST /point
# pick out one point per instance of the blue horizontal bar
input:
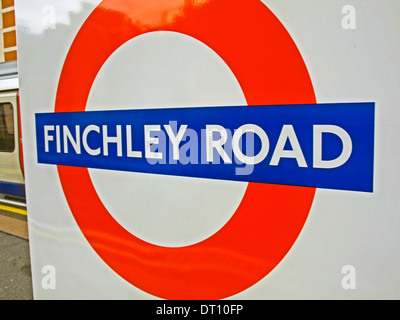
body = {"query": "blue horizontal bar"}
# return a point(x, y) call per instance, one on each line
point(287, 129)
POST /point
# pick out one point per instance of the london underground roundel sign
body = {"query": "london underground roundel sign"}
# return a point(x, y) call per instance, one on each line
point(270, 70)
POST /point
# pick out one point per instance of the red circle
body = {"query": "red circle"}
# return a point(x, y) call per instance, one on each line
point(270, 70)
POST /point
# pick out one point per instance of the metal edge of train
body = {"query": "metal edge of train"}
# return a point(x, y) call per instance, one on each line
point(12, 180)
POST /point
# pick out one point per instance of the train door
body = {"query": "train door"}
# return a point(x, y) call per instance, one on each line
point(11, 176)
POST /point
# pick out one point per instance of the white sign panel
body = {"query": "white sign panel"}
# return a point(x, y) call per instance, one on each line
point(211, 149)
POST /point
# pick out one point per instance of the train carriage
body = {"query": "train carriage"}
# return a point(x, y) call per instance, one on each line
point(12, 184)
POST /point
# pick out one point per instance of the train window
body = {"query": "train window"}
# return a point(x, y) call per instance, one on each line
point(7, 141)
